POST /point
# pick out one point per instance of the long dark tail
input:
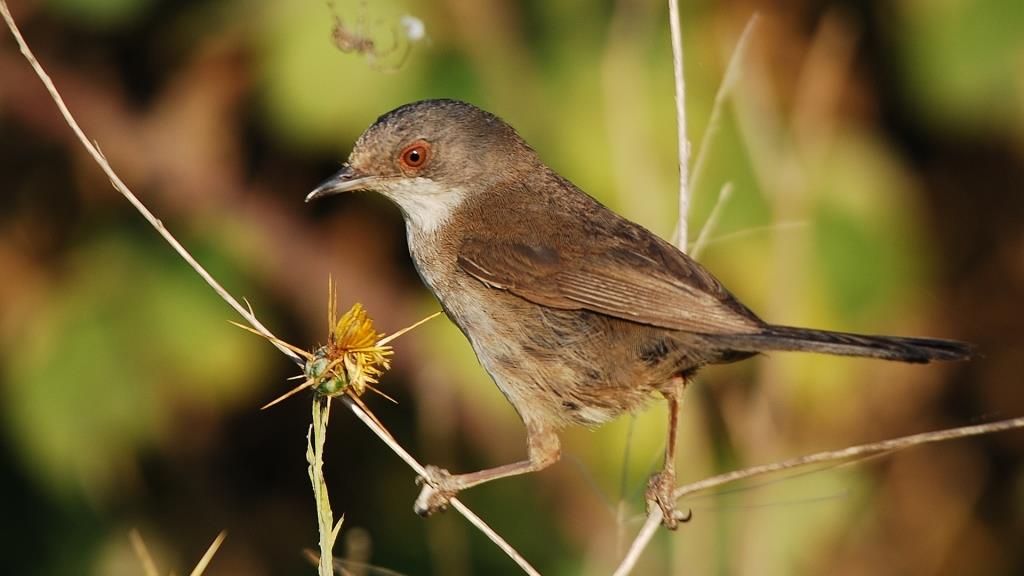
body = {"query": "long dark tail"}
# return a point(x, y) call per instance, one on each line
point(900, 349)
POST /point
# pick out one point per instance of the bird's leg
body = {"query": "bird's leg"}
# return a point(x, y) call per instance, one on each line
point(662, 486)
point(441, 485)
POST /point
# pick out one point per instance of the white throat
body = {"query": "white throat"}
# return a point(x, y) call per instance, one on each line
point(426, 204)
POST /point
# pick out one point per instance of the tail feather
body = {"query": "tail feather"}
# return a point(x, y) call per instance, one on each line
point(897, 348)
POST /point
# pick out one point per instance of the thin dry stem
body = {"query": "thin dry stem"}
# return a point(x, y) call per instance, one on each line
point(776, 227)
point(145, 558)
point(643, 538)
point(149, 566)
point(298, 353)
point(120, 186)
point(853, 452)
point(391, 337)
point(684, 143)
point(342, 566)
point(732, 74)
point(711, 222)
point(305, 385)
point(455, 503)
point(205, 560)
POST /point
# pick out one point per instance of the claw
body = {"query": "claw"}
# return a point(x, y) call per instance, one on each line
point(438, 489)
point(661, 493)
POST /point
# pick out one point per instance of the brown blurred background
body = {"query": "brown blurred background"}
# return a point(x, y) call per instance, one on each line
point(876, 150)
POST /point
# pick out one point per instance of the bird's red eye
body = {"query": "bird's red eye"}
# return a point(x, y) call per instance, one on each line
point(415, 155)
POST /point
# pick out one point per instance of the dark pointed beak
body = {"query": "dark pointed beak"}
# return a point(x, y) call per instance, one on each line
point(346, 180)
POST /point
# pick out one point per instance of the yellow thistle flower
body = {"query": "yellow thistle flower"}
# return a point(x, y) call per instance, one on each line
point(353, 356)
point(352, 361)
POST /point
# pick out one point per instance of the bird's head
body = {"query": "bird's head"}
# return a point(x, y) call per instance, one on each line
point(429, 157)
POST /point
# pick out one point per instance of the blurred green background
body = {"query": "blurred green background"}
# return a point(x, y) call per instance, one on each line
point(876, 150)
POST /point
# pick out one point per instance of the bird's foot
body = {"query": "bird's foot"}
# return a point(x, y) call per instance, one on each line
point(439, 486)
point(661, 493)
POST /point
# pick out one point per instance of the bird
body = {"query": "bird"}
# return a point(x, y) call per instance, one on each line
point(578, 314)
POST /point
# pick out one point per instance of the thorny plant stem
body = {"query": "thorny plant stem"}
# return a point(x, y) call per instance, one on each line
point(315, 456)
point(120, 186)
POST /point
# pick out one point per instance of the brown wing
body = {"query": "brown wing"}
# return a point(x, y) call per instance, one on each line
point(632, 275)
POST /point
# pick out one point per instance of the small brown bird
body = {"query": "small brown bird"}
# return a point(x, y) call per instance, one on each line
point(576, 313)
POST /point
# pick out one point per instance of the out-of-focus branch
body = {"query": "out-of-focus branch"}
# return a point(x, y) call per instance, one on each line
point(149, 565)
point(123, 189)
point(142, 552)
point(208, 555)
point(711, 222)
point(732, 74)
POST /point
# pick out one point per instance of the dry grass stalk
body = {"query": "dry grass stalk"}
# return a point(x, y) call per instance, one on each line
point(684, 143)
point(149, 565)
point(716, 212)
point(732, 74)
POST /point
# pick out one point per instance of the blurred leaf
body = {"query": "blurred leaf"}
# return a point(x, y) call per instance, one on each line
point(865, 232)
point(314, 93)
point(131, 335)
point(963, 60)
point(103, 13)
